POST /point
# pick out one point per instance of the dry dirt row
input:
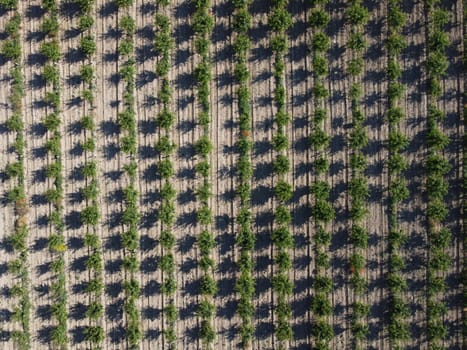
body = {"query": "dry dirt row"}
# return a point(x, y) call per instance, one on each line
point(224, 132)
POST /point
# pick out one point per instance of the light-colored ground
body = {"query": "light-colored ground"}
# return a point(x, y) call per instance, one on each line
point(224, 132)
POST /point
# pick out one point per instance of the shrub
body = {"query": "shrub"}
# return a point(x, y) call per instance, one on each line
point(11, 49)
point(322, 330)
point(203, 146)
point(204, 215)
point(165, 119)
point(85, 22)
point(205, 309)
point(165, 168)
point(319, 139)
point(280, 20)
point(51, 74)
point(394, 69)
point(50, 26)
point(321, 165)
point(90, 215)
point(359, 236)
point(167, 239)
point(127, 23)
point(395, 44)
point(397, 141)
point(355, 66)
point(319, 18)
point(94, 310)
point(88, 45)
point(14, 169)
point(15, 122)
point(282, 215)
point(123, 3)
point(279, 44)
point(321, 305)
point(283, 191)
point(204, 192)
point(357, 14)
point(208, 285)
point(320, 42)
point(206, 332)
point(202, 23)
point(323, 211)
point(437, 63)
point(203, 168)
point(51, 50)
point(358, 138)
point(126, 47)
point(168, 192)
point(241, 20)
point(89, 169)
point(94, 334)
point(282, 237)
point(9, 4)
point(356, 41)
point(281, 164)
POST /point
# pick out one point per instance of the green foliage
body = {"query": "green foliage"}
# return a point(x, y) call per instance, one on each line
point(359, 236)
point(11, 49)
point(89, 169)
point(208, 285)
point(282, 215)
point(242, 20)
point(165, 119)
point(206, 332)
point(397, 141)
point(15, 122)
point(165, 168)
point(203, 146)
point(128, 24)
point(320, 42)
point(123, 3)
point(51, 50)
point(356, 41)
point(15, 169)
point(167, 239)
point(90, 215)
point(395, 44)
point(281, 164)
point(437, 63)
point(94, 334)
point(9, 4)
point(282, 237)
point(203, 23)
point(279, 19)
point(85, 22)
point(358, 138)
point(355, 66)
point(50, 26)
point(283, 190)
point(204, 215)
point(357, 14)
point(322, 330)
point(319, 18)
point(321, 305)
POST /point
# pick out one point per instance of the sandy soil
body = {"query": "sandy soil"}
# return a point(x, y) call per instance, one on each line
point(224, 133)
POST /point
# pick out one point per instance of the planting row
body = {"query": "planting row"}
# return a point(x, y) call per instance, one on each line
point(279, 21)
point(439, 237)
point(398, 191)
point(18, 268)
point(358, 16)
point(165, 147)
point(322, 209)
point(245, 238)
point(203, 24)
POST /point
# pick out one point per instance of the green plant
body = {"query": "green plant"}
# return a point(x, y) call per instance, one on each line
point(11, 49)
point(85, 22)
point(51, 50)
point(90, 215)
point(50, 26)
point(128, 24)
point(283, 190)
point(279, 19)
